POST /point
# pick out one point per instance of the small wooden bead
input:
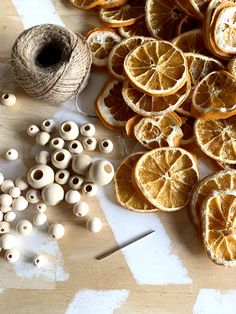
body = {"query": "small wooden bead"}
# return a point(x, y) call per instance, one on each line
point(72, 196)
point(89, 144)
point(81, 164)
point(94, 224)
point(11, 154)
point(89, 189)
point(39, 260)
point(81, 209)
point(8, 100)
point(1, 178)
point(20, 203)
point(5, 200)
point(48, 125)
point(75, 147)
point(62, 177)
point(39, 176)
point(6, 209)
point(69, 131)
point(87, 129)
point(1, 216)
point(6, 185)
point(52, 194)
point(106, 146)
point(61, 158)
point(10, 216)
point(24, 227)
point(39, 219)
point(56, 231)
point(14, 192)
point(57, 143)
point(12, 255)
point(42, 138)
point(43, 157)
point(76, 182)
point(33, 130)
point(41, 207)
point(4, 227)
point(33, 196)
point(101, 172)
point(22, 183)
point(8, 241)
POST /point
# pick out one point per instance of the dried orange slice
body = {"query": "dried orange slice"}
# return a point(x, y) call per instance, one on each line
point(110, 106)
point(217, 139)
point(198, 7)
point(166, 177)
point(162, 18)
point(86, 4)
point(215, 96)
point(185, 7)
point(120, 51)
point(126, 193)
point(226, 166)
point(186, 24)
point(187, 129)
point(147, 105)
point(155, 132)
point(101, 40)
point(108, 4)
point(124, 15)
point(130, 124)
point(137, 29)
point(157, 68)
point(232, 67)
point(218, 220)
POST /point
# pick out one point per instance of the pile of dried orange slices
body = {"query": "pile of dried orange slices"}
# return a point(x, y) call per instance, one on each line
point(173, 83)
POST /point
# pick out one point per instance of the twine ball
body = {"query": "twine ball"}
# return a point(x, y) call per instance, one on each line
point(51, 62)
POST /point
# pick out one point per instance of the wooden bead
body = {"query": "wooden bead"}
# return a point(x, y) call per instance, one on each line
point(5, 209)
point(33, 130)
point(101, 172)
point(52, 194)
point(39, 219)
point(11, 154)
point(12, 255)
point(72, 196)
point(5, 200)
point(10, 216)
point(42, 138)
point(8, 100)
point(43, 157)
point(48, 125)
point(1, 216)
point(89, 189)
point(8, 241)
point(75, 147)
point(81, 164)
point(1, 178)
point(39, 176)
point(57, 143)
point(61, 158)
point(62, 177)
point(87, 129)
point(20, 203)
point(33, 196)
point(89, 144)
point(4, 227)
point(24, 227)
point(41, 207)
point(39, 260)
point(76, 182)
point(21, 183)
point(94, 224)
point(14, 192)
point(56, 231)
point(81, 209)
point(6, 185)
point(106, 146)
point(69, 131)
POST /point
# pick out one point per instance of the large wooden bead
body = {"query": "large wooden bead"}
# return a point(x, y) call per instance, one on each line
point(48, 125)
point(8, 100)
point(33, 196)
point(89, 189)
point(42, 138)
point(5, 200)
point(39, 219)
point(94, 224)
point(40, 175)
point(69, 131)
point(62, 176)
point(21, 183)
point(10, 216)
point(14, 192)
point(75, 147)
point(89, 144)
point(56, 231)
point(33, 130)
point(87, 129)
point(8, 241)
point(105, 146)
point(20, 203)
point(12, 255)
point(101, 172)
point(7, 185)
point(43, 157)
point(81, 164)
point(76, 182)
point(61, 158)
point(72, 196)
point(52, 194)
point(4, 227)
point(11, 154)
point(81, 209)
point(39, 260)
point(57, 143)
point(24, 227)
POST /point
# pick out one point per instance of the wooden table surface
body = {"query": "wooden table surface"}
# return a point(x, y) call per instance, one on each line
point(167, 273)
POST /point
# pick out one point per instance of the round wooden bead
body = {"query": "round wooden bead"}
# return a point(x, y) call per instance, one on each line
point(5, 200)
point(11, 154)
point(56, 231)
point(41, 207)
point(21, 183)
point(1, 178)
point(87, 129)
point(89, 144)
point(33, 130)
point(4, 227)
point(24, 227)
point(39, 219)
point(81, 209)
point(89, 189)
point(69, 131)
point(8, 100)
point(12, 255)
point(10, 216)
point(33, 196)
point(1, 216)
point(48, 125)
point(72, 196)
point(62, 177)
point(94, 224)
point(61, 158)
point(75, 147)
point(42, 138)
point(81, 164)
point(8, 241)
point(20, 203)
point(5, 209)
point(101, 172)
point(39, 260)
point(76, 182)
point(52, 194)
point(106, 146)
point(14, 192)
point(39, 176)
point(43, 157)
point(6, 185)
point(57, 143)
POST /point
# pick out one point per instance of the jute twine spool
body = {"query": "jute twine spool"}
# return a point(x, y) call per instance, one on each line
point(51, 62)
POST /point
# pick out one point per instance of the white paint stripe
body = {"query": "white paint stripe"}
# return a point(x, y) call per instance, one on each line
point(211, 301)
point(35, 12)
point(99, 302)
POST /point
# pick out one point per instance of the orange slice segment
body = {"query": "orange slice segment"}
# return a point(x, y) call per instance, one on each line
point(86, 4)
point(126, 193)
point(137, 29)
point(166, 177)
point(232, 67)
point(130, 124)
point(110, 106)
point(157, 68)
point(217, 138)
point(108, 4)
point(215, 96)
point(198, 7)
point(218, 217)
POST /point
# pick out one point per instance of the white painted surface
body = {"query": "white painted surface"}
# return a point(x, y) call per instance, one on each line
point(210, 301)
point(97, 302)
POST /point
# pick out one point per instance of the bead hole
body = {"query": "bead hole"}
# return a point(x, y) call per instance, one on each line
point(89, 141)
point(61, 176)
point(24, 227)
point(67, 127)
point(60, 157)
point(2, 230)
point(47, 123)
point(56, 142)
point(87, 128)
point(37, 261)
point(37, 175)
point(10, 256)
point(75, 181)
point(108, 168)
point(105, 144)
point(5, 96)
point(74, 145)
point(88, 188)
point(9, 153)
